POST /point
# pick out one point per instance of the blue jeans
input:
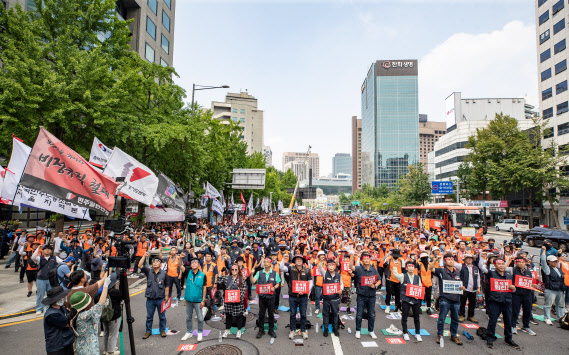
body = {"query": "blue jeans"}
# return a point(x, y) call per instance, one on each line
point(551, 298)
point(190, 307)
point(368, 303)
point(294, 303)
point(12, 258)
point(317, 296)
point(42, 287)
point(445, 306)
point(151, 305)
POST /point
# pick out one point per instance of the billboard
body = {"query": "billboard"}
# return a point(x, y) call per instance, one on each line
point(248, 179)
point(450, 112)
point(401, 67)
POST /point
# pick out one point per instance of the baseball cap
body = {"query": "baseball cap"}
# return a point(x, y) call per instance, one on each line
point(69, 258)
point(552, 258)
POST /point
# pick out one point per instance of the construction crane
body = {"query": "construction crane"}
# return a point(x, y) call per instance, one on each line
point(298, 180)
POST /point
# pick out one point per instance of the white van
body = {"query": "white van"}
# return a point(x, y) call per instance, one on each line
point(513, 225)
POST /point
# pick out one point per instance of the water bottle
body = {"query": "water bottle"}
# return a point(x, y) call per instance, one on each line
point(349, 330)
point(272, 341)
point(442, 342)
point(310, 311)
point(220, 337)
point(316, 330)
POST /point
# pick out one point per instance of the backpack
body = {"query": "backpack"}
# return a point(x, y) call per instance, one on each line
point(481, 332)
point(108, 312)
point(54, 278)
point(564, 321)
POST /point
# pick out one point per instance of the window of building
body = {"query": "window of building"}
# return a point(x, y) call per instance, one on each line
point(150, 27)
point(564, 149)
point(545, 55)
point(561, 87)
point(153, 5)
point(563, 128)
point(546, 74)
point(547, 113)
point(562, 108)
point(561, 66)
point(558, 6)
point(5, 4)
point(541, 2)
point(235, 119)
point(559, 47)
point(558, 26)
point(169, 3)
point(242, 111)
point(544, 36)
point(165, 20)
point(165, 44)
point(546, 94)
point(234, 110)
point(241, 120)
point(544, 17)
point(163, 62)
point(149, 53)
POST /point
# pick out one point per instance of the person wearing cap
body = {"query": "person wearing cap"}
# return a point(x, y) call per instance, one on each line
point(59, 337)
point(426, 278)
point(564, 264)
point(249, 262)
point(346, 275)
point(174, 271)
point(366, 280)
point(74, 249)
point(393, 286)
point(194, 299)
point(316, 264)
point(45, 262)
point(296, 301)
point(275, 265)
point(141, 248)
point(549, 249)
point(156, 293)
point(553, 278)
point(31, 268)
point(522, 297)
point(448, 302)
point(14, 257)
point(267, 276)
point(470, 277)
point(211, 271)
point(407, 302)
point(331, 302)
point(64, 271)
point(235, 251)
point(85, 320)
point(500, 303)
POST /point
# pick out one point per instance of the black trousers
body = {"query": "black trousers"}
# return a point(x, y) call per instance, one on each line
point(239, 321)
point(393, 289)
point(135, 266)
point(23, 269)
point(170, 282)
point(494, 311)
point(471, 298)
point(330, 311)
point(521, 302)
point(68, 350)
point(380, 271)
point(185, 276)
point(267, 305)
point(405, 307)
point(428, 296)
point(277, 295)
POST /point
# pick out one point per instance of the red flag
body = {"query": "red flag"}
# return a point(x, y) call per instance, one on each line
point(242, 199)
point(57, 170)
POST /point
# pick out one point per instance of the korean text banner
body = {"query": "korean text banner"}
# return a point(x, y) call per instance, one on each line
point(57, 170)
point(163, 215)
point(170, 195)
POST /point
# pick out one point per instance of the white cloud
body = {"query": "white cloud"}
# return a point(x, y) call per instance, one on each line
point(501, 63)
point(373, 28)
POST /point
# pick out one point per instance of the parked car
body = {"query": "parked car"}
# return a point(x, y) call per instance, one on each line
point(533, 231)
point(559, 239)
point(512, 225)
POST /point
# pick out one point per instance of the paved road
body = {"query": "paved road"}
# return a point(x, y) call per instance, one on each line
point(15, 336)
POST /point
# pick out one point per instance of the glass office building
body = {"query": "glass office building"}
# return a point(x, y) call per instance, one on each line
point(390, 121)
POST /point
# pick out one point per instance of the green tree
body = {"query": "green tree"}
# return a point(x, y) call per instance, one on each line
point(414, 187)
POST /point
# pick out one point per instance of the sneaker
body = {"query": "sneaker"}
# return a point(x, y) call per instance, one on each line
point(418, 337)
point(514, 330)
point(430, 311)
point(272, 334)
point(225, 333)
point(317, 311)
point(189, 335)
point(246, 313)
point(305, 335)
point(372, 335)
point(238, 335)
point(406, 336)
point(200, 335)
point(291, 334)
point(528, 331)
point(358, 334)
point(174, 298)
point(548, 321)
point(29, 293)
point(387, 309)
point(38, 313)
point(490, 344)
point(146, 335)
point(393, 330)
point(513, 344)
point(533, 321)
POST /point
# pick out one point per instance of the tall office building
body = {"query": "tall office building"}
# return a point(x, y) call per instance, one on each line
point(299, 169)
point(356, 154)
point(341, 164)
point(152, 31)
point(390, 128)
point(313, 161)
point(552, 56)
point(429, 134)
point(242, 108)
point(268, 153)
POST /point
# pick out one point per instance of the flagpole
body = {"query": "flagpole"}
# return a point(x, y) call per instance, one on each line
point(81, 222)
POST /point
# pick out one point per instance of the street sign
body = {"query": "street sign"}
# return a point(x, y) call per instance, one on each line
point(566, 220)
point(356, 203)
point(441, 187)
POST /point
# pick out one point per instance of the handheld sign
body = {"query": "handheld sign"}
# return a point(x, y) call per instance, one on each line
point(245, 272)
point(331, 289)
point(165, 305)
point(368, 280)
point(232, 296)
point(452, 287)
point(264, 289)
point(300, 287)
point(415, 291)
point(317, 271)
point(345, 266)
point(500, 285)
point(524, 282)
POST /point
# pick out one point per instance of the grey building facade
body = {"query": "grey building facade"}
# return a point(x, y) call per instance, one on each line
point(341, 164)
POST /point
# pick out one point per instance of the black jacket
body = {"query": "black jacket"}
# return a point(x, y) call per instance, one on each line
point(57, 334)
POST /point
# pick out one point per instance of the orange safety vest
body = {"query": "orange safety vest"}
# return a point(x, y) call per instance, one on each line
point(280, 255)
point(221, 264)
point(142, 248)
point(173, 266)
point(565, 268)
point(392, 267)
point(29, 252)
point(346, 277)
point(318, 280)
point(248, 262)
point(208, 271)
point(381, 256)
point(425, 276)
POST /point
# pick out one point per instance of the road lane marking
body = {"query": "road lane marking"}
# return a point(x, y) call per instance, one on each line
point(337, 345)
point(20, 322)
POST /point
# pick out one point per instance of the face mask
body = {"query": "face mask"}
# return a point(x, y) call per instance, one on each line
point(60, 302)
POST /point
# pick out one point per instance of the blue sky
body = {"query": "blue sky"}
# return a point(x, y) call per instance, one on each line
point(305, 61)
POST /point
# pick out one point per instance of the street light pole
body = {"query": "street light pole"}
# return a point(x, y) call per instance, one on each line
point(204, 87)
